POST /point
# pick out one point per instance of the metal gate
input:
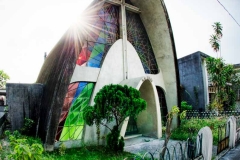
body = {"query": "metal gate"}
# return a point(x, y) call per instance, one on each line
point(223, 137)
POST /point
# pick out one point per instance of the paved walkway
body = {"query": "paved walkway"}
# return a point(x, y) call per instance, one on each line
point(141, 145)
point(233, 154)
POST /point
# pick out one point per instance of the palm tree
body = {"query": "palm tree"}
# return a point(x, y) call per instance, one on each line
point(217, 27)
point(214, 41)
point(215, 38)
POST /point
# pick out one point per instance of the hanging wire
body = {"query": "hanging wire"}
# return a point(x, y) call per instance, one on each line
point(229, 13)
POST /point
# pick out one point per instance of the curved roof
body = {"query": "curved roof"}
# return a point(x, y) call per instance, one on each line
point(58, 67)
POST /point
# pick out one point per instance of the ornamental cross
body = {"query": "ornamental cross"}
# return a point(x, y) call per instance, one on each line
point(123, 28)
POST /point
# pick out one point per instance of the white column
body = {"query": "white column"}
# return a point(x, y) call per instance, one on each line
point(124, 37)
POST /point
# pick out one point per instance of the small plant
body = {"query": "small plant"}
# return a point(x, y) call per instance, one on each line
point(28, 124)
point(23, 147)
point(174, 112)
point(185, 106)
point(5, 109)
point(22, 150)
point(16, 134)
point(1, 147)
point(163, 130)
point(62, 149)
point(7, 133)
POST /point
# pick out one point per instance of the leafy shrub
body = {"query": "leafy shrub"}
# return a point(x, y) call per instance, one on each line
point(7, 133)
point(182, 132)
point(62, 149)
point(185, 106)
point(23, 147)
point(16, 134)
point(27, 126)
point(22, 150)
point(88, 153)
point(5, 109)
point(113, 103)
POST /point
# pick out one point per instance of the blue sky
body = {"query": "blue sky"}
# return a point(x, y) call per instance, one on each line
point(29, 28)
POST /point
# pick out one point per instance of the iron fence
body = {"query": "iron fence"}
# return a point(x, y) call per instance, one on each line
point(186, 150)
point(210, 114)
point(174, 152)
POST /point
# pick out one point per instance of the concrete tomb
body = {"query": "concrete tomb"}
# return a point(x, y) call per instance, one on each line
point(207, 142)
point(231, 131)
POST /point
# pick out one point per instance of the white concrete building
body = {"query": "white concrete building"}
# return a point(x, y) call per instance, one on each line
point(127, 42)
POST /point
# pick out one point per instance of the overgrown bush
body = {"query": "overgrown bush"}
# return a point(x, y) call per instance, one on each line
point(88, 153)
point(182, 132)
point(185, 106)
point(27, 127)
point(23, 147)
point(113, 103)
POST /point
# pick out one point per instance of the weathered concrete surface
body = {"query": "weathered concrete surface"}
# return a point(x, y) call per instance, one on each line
point(156, 21)
point(2, 108)
point(193, 80)
point(149, 122)
point(231, 130)
point(233, 154)
point(2, 122)
point(24, 101)
point(141, 145)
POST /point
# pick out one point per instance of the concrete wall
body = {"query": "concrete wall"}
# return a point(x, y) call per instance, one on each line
point(147, 120)
point(24, 101)
point(156, 21)
point(191, 76)
point(2, 122)
point(2, 108)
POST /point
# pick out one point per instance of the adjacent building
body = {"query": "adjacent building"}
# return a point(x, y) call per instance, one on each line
point(196, 87)
point(194, 80)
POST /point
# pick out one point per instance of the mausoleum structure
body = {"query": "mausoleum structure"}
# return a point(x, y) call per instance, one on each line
point(127, 42)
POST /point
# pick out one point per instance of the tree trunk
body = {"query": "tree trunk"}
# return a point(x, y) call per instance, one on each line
point(168, 134)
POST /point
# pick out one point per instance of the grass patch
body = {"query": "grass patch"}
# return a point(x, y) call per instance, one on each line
point(25, 145)
point(88, 153)
point(182, 132)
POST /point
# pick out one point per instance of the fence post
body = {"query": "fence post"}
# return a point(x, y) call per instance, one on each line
point(231, 131)
point(207, 143)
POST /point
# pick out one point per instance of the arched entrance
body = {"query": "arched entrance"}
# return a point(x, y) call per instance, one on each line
point(163, 104)
point(148, 122)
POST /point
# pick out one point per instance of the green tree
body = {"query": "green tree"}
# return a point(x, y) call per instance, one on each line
point(114, 103)
point(224, 78)
point(225, 81)
point(3, 79)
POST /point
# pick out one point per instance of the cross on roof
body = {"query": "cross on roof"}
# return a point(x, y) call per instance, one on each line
point(127, 6)
point(123, 28)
